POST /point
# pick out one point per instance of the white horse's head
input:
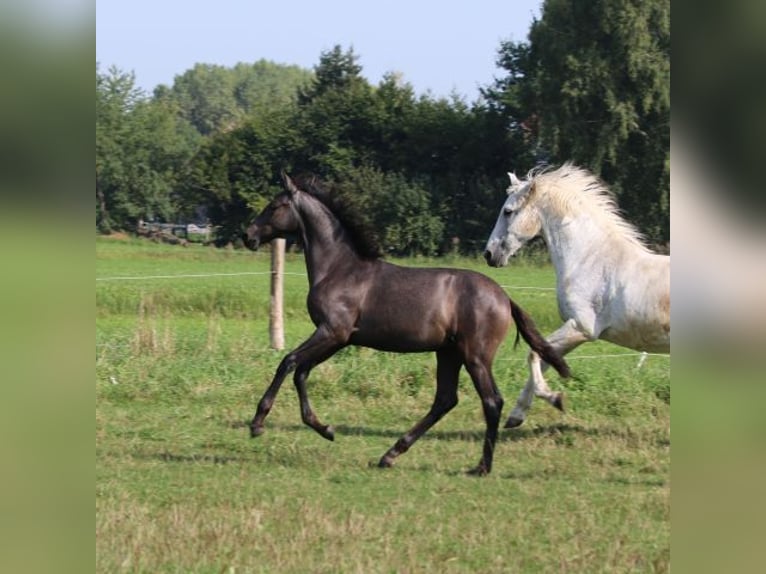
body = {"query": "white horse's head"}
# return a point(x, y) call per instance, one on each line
point(518, 222)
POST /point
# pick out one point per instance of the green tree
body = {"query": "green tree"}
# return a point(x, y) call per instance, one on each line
point(337, 70)
point(392, 111)
point(206, 99)
point(592, 85)
point(141, 150)
point(264, 86)
point(235, 173)
point(425, 169)
point(215, 98)
point(336, 116)
point(401, 212)
point(116, 95)
point(459, 154)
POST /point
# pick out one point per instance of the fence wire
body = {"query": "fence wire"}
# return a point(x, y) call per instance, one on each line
point(642, 356)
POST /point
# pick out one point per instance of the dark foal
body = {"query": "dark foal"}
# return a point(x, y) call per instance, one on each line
point(355, 298)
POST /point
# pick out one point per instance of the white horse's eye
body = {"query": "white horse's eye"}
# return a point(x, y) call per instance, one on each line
point(508, 211)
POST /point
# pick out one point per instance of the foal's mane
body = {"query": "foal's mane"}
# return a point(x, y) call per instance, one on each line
point(359, 229)
point(572, 189)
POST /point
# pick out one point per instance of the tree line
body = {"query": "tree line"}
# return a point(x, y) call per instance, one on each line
point(591, 85)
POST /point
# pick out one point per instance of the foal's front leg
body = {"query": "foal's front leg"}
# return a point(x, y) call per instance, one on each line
point(563, 340)
point(316, 349)
point(301, 374)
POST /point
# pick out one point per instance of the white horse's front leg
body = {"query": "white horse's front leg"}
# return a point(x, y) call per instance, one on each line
point(563, 340)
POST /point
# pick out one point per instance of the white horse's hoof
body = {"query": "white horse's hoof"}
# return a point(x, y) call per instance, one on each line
point(513, 422)
point(558, 401)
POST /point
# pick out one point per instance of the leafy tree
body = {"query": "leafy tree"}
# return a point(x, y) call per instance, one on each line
point(116, 96)
point(336, 116)
point(264, 86)
point(215, 98)
point(392, 111)
point(206, 97)
point(141, 150)
point(236, 172)
point(411, 227)
point(593, 86)
point(431, 151)
point(459, 154)
point(337, 70)
point(399, 210)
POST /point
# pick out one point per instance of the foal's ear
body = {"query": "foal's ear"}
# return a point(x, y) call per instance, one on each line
point(290, 186)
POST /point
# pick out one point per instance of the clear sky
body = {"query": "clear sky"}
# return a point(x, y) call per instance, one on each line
point(436, 45)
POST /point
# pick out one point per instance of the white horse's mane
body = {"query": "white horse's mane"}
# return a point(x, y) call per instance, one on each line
point(571, 189)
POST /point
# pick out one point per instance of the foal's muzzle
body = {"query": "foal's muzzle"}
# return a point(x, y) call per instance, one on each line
point(254, 235)
point(251, 242)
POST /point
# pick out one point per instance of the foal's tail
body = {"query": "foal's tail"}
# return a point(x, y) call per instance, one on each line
point(527, 328)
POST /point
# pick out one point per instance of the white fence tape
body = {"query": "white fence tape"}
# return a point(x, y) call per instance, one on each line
point(246, 273)
point(641, 360)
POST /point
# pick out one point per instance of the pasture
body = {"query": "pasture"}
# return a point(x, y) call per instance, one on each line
point(180, 486)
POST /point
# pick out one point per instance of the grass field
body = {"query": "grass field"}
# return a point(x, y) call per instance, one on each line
point(180, 487)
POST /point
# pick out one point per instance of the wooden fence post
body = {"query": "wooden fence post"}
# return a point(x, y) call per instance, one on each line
point(276, 320)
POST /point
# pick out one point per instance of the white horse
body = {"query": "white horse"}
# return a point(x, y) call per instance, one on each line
point(610, 286)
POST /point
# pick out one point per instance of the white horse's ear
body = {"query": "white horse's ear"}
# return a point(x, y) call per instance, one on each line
point(517, 197)
point(514, 180)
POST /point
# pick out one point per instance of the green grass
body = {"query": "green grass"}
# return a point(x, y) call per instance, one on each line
point(180, 486)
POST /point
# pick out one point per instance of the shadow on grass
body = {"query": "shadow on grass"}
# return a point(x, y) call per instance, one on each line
point(555, 431)
point(535, 475)
point(545, 474)
point(165, 456)
point(555, 474)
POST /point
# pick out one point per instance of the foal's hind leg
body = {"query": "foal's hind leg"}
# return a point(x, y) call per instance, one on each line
point(563, 340)
point(492, 404)
point(448, 365)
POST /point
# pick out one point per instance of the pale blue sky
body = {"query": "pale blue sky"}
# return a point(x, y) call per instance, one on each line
point(438, 46)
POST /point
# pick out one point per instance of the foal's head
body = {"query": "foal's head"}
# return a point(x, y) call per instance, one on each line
point(305, 203)
point(518, 222)
point(278, 219)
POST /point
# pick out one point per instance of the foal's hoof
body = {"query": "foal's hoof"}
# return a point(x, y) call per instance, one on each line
point(513, 422)
point(327, 432)
point(480, 470)
point(256, 431)
point(383, 463)
point(558, 401)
